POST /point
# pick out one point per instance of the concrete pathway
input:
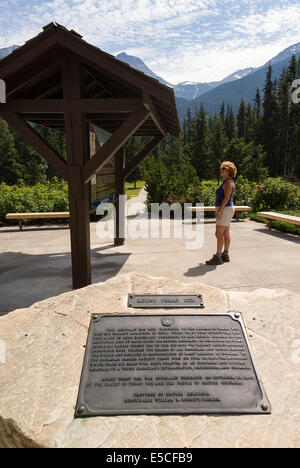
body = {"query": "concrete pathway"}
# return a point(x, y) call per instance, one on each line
point(36, 264)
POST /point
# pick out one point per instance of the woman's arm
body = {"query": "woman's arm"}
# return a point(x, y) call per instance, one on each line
point(228, 187)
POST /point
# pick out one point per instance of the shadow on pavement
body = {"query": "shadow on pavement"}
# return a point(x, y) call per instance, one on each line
point(26, 279)
point(13, 229)
point(200, 270)
point(280, 235)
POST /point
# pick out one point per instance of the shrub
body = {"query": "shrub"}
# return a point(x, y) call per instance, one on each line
point(201, 193)
point(276, 194)
point(167, 184)
point(51, 196)
point(244, 191)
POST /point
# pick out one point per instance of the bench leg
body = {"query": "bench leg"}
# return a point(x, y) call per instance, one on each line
point(238, 216)
point(20, 224)
point(270, 224)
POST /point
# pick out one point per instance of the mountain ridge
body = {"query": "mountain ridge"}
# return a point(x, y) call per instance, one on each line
point(231, 89)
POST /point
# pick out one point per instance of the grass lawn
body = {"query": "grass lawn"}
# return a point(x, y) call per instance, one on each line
point(131, 191)
point(211, 182)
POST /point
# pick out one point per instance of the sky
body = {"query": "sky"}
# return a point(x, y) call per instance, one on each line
point(180, 40)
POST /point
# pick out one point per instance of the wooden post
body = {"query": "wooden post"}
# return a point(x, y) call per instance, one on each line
point(270, 224)
point(77, 141)
point(120, 190)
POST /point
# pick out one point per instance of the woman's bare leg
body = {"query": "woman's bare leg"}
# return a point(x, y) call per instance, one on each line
point(220, 230)
point(227, 239)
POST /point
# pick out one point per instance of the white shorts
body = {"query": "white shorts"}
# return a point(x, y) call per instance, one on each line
point(226, 216)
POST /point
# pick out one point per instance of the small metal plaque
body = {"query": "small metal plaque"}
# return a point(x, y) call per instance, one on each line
point(169, 364)
point(151, 301)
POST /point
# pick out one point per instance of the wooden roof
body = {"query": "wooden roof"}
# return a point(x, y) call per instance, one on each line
point(34, 72)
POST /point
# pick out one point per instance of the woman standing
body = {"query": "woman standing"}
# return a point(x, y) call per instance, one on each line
point(224, 213)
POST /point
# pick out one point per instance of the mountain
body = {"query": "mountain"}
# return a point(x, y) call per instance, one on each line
point(234, 91)
point(285, 54)
point(238, 85)
point(7, 50)
point(138, 64)
point(187, 90)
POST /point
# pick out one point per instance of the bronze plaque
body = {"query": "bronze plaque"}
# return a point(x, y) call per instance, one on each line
point(169, 364)
point(162, 301)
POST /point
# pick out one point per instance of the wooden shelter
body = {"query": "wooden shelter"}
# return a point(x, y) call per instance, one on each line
point(62, 82)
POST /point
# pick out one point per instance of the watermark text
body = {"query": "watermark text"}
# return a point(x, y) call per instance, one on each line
point(2, 352)
point(296, 352)
point(2, 92)
point(163, 221)
point(296, 92)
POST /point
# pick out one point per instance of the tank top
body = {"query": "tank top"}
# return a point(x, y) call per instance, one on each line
point(220, 195)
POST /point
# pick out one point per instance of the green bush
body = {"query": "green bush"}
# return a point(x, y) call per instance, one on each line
point(167, 184)
point(201, 193)
point(275, 194)
point(206, 192)
point(244, 191)
point(42, 198)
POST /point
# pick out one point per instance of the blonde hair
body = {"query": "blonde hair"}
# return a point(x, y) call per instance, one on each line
point(230, 167)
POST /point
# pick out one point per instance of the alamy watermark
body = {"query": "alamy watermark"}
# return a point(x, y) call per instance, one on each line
point(2, 92)
point(2, 352)
point(164, 221)
point(296, 352)
point(296, 92)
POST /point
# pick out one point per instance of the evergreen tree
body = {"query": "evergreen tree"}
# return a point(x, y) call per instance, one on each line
point(189, 126)
point(200, 150)
point(293, 124)
point(257, 104)
point(219, 142)
point(248, 158)
point(10, 167)
point(270, 124)
point(250, 124)
point(133, 147)
point(257, 119)
point(230, 123)
point(292, 69)
point(284, 104)
point(241, 120)
point(222, 113)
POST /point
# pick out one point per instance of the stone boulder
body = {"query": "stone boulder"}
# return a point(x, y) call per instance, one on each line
point(40, 372)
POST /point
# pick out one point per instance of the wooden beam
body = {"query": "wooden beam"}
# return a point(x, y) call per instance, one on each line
point(77, 143)
point(105, 62)
point(148, 103)
point(142, 155)
point(115, 142)
point(98, 82)
point(41, 71)
point(31, 138)
point(64, 105)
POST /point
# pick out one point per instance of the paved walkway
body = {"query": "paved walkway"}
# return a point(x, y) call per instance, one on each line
point(36, 264)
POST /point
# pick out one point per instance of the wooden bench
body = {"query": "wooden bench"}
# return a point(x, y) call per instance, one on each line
point(201, 209)
point(271, 216)
point(21, 216)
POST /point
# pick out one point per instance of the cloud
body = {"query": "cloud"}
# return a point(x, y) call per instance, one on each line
point(179, 39)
